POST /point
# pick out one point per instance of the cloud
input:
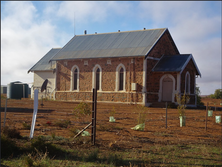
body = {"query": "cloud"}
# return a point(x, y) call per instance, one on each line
point(30, 29)
point(24, 40)
point(196, 29)
point(92, 11)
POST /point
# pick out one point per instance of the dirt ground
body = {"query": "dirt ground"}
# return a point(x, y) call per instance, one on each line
point(121, 134)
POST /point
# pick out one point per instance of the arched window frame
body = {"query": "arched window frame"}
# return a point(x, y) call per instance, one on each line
point(118, 68)
point(72, 78)
point(187, 82)
point(94, 77)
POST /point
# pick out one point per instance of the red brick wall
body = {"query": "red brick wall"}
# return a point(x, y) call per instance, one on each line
point(164, 46)
point(134, 73)
point(192, 70)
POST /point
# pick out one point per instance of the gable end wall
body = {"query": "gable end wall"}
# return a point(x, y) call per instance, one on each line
point(165, 46)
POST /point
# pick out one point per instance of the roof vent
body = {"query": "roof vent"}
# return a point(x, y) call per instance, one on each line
point(118, 30)
point(85, 32)
point(144, 28)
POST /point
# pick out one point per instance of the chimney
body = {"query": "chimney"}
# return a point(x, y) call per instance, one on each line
point(85, 32)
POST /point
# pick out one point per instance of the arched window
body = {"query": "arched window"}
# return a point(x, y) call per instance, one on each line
point(97, 77)
point(187, 83)
point(74, 78)
point(120, 77)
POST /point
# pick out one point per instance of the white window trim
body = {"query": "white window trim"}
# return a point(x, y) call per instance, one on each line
point(117, 77)
point(187, 74)
point(94, 78)
point(72, 78)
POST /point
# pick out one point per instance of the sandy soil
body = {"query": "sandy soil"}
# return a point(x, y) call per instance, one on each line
point(119, 133)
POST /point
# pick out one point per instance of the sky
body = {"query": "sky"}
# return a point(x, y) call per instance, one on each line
point(29, 29)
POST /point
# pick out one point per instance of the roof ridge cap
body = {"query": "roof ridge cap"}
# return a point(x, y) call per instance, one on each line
point(123, 31)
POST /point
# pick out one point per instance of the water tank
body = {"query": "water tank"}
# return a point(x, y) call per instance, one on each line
point(17, 90)
point(3, 89)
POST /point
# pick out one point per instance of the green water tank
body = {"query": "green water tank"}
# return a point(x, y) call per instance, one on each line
point(17, 90)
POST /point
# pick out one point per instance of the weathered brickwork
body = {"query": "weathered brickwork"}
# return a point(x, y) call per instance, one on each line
point(107, 97)
point(154, 86)
point(134, 74)
point(164, 46)
point(191, 69)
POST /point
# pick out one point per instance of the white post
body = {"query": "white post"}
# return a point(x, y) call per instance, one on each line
point(34, 112)
point(144, 81)
point(5, 110)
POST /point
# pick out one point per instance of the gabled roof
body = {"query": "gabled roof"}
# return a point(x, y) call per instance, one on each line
point(175, 63)
point(118, 44)
point(43, 64)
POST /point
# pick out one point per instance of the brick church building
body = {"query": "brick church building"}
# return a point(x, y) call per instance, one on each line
point(143, 67)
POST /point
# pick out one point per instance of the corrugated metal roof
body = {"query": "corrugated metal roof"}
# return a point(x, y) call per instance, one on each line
point(173, 63)
point(118, 44)
point(43, 64)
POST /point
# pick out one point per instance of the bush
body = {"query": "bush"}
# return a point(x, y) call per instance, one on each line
point(182, 101)
point(112, 112)
point(26, 126)
point(37, 159)
point(63, 123)
point(39, 144)
point(141, 110)
point(8, 147)
point(73, 131)
point(82, 109)
point(199, 102)
point(217, 94)
point(11, 132)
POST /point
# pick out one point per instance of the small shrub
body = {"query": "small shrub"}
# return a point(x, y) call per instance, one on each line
point(8, 147)
point(37, 159)
point(73, 131)
point(182, 101)
point(53, 135)
point(92, 156)
point(82, 109)
point(114, 159)
point(26, 126)
point(63, 123)
point(142, 113)
point(112, 112)
point(11, 132)
point(39, 144)
point(28, 161)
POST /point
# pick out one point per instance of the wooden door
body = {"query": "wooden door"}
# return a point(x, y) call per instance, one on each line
point(167, 89)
